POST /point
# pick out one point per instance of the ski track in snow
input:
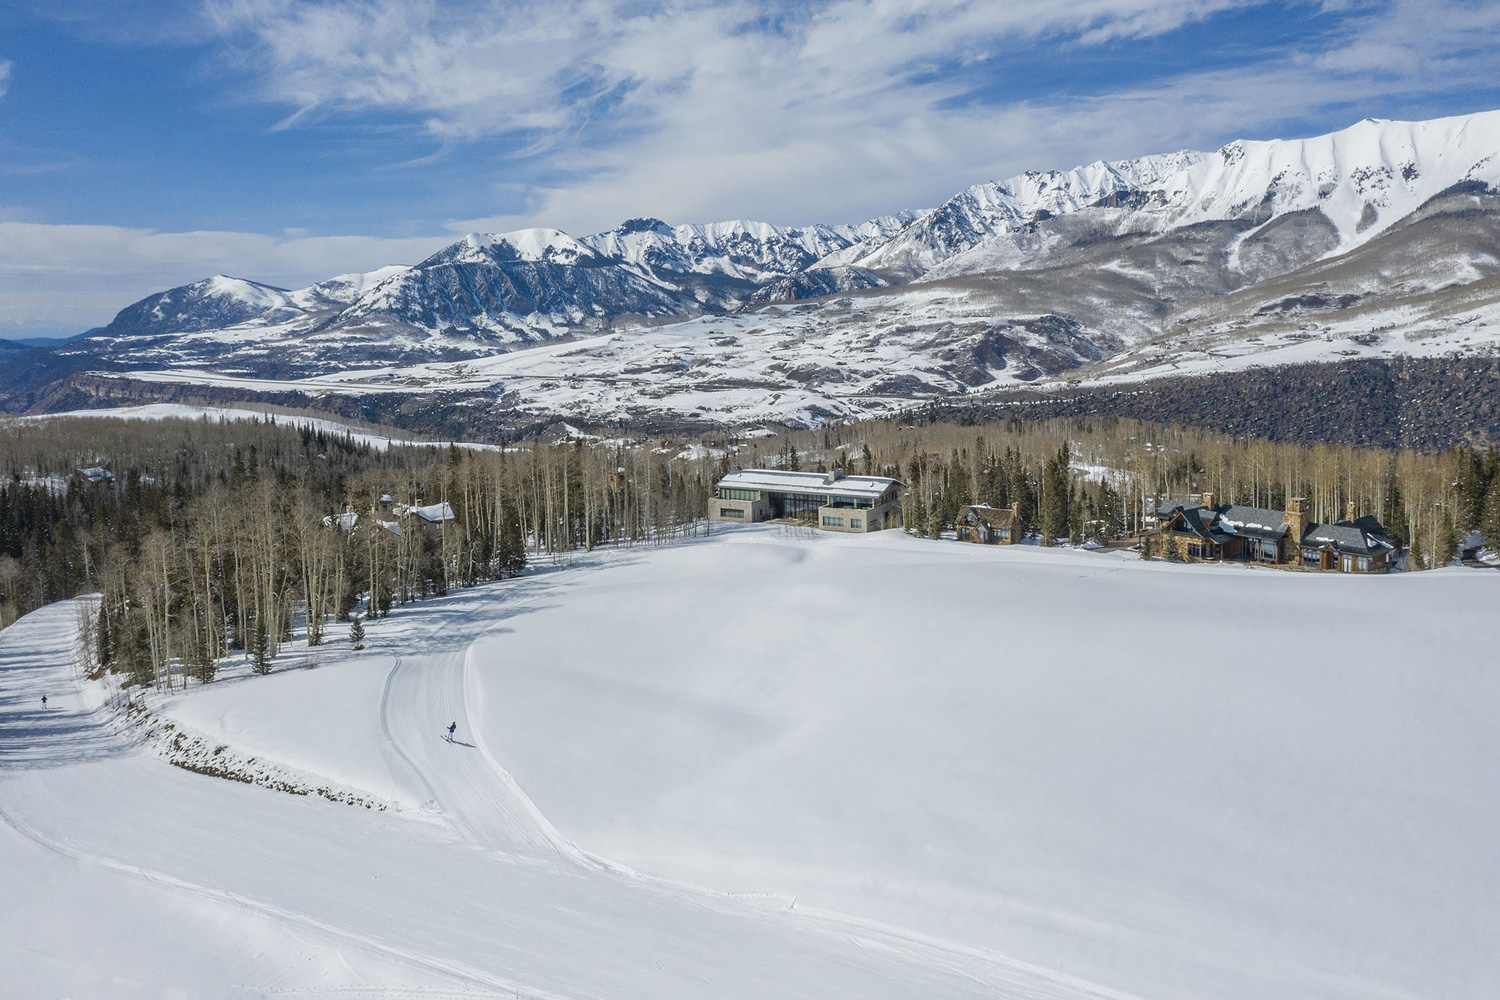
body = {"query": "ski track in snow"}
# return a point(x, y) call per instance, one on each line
point(512, 909)
point(1116, 794)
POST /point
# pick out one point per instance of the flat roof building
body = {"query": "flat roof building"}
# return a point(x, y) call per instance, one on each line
point(831, 501)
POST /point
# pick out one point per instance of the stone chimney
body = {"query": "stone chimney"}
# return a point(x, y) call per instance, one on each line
point(1349, 514)
point(1206, 499)
point(1296, 517)
point(834, 475)
point(1015, 512)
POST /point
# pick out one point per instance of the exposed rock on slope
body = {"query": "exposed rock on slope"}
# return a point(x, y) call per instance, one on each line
point(1380, 240)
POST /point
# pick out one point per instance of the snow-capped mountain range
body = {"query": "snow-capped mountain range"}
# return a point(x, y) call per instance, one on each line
point(1098, 271)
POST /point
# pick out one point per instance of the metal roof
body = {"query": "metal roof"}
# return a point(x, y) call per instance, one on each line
point(783, 481)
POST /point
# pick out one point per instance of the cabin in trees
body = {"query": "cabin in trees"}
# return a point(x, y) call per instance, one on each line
point(348, 521)
point(988, 525)
point(831, 501)
point(431, 517)
point(1209, 532)
point(428, 517)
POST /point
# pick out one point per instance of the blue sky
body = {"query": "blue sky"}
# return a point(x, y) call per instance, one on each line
point(143, 145)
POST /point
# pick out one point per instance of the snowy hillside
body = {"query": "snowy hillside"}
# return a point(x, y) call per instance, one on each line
point(1360, 181)
point(718, 769)
point(1378, 240)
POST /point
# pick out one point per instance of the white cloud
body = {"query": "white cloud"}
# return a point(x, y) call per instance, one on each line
point(683, 109)
point(693, 110)
point(64, 279)
point(5, 67)
point(696, 110)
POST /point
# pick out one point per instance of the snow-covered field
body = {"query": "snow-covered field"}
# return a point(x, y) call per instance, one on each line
point(758, 765)
point(861, 356)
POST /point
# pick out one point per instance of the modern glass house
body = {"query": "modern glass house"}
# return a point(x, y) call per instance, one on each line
point(831, 501)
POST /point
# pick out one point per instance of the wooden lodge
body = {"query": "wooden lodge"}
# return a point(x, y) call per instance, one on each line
point(986, 525)
point(1209, 532)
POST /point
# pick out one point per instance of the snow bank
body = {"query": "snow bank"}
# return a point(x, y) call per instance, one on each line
point(325, 721)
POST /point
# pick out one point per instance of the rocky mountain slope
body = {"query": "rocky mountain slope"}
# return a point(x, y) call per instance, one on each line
point(1380, 240)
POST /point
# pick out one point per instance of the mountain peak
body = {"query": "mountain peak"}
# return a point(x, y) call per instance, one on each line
point(643, 225)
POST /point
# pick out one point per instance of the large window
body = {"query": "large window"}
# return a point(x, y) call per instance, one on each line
point(832, 522)
point(730, 494)
point(855, 522)
point(802, 506)
point(731, 512)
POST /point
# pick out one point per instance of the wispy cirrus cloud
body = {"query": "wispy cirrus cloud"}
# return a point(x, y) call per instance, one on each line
point(5, 69)
point(831, 110)
point(587, 112)
point(499, 67)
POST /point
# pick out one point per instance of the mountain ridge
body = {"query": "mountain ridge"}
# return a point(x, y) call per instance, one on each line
point(1103, 271)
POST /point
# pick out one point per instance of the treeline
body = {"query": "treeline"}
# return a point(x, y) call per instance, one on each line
point(1082, 478)
point(211, 539)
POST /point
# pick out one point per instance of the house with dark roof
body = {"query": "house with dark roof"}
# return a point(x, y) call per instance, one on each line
point(1210, 532)
point(988, 525)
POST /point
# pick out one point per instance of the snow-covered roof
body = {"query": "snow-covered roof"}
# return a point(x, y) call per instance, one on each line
point(348, 521)
point(1256, 522)
point(784, 481)
point(1345, 537)
point(433, 512)
point(995, 517)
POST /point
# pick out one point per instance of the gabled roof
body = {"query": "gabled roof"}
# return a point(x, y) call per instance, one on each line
point(995, 517)
point(348, 521)
point(1345, 537)
point(432, 513)
point(1371, 525)
point(1252, 522)
point(1197, 521)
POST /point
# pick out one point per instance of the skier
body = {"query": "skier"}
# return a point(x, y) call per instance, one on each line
point(452, 728)
point(44, 702)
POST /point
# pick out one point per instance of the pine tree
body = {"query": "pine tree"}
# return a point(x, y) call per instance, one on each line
point(916, 514)
point(1447, 542)
point(1056, 501)
point(1415, 559)
point(1393, 509)
point(260, 644)
point(1489, 524)
point(1470, 487)
point(511, 554)
point(357, 633)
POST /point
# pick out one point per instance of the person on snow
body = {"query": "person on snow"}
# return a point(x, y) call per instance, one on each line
point(44, 701)
point(452, 728)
